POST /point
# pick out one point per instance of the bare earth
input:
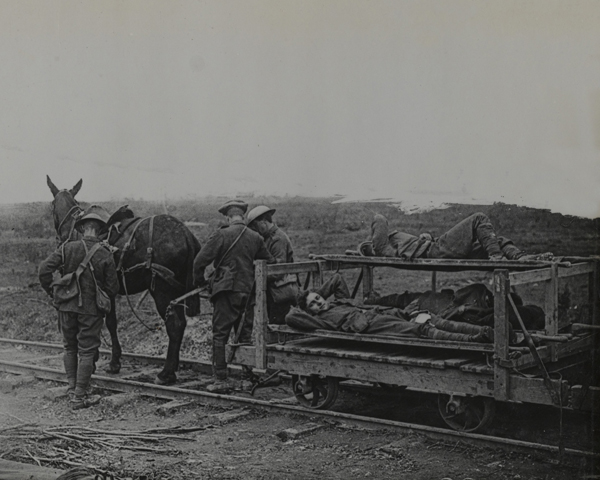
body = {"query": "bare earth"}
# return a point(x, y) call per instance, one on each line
point(250, 443)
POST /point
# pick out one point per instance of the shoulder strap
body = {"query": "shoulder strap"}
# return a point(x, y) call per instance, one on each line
point(88, 257)
point(230, 247)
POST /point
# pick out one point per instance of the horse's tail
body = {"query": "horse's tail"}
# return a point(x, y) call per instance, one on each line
point(193, 247)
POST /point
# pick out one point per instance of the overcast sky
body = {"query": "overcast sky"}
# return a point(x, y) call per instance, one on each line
point(440, 99)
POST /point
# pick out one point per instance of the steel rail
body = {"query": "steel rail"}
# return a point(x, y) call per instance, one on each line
point(171, 393)
point(197, 365)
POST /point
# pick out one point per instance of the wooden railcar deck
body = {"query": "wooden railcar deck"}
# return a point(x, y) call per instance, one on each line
point(498, 370)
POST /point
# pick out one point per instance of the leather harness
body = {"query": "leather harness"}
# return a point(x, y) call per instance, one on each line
point(163, 272)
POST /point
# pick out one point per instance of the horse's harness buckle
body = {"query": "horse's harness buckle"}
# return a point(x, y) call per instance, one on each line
point(149, 251)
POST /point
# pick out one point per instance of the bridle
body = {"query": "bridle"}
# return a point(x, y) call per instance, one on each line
point(72, 214)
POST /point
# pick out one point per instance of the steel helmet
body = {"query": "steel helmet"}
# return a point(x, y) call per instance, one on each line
point(93, 212)
point(258, 211)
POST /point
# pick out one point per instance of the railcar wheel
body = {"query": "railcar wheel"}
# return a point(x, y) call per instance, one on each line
point(466, 414)
point(315, 391)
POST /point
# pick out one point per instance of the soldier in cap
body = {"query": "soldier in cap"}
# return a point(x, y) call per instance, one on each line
point(232, 250)
point(79, 319)
point(260, 219)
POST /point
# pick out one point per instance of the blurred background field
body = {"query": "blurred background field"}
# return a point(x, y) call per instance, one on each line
point(315, 225)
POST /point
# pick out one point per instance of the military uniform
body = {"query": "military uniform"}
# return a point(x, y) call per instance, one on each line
point(280, 247)
point(232, 284)
point(347, 315)
point(474, 237)
point(80, 324)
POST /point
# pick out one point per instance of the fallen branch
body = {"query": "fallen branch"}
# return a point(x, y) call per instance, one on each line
point(36, 460)
point(17, 426)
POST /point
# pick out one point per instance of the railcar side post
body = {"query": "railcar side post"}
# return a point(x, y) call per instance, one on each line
point(551, 308)
point(317, 277)
point(367, 281)
point(259, 330)
point(593, 292)
point(501, 335)
point(434, 281)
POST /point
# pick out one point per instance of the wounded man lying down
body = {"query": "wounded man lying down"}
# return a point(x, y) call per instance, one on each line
point(345, 315)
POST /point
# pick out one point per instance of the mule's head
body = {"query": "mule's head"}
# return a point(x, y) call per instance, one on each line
point(64, 208)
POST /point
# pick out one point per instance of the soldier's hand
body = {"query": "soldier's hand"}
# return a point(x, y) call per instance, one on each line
point(426, 237)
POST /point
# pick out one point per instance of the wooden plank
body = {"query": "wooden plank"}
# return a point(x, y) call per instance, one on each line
point(577, 269)
point(586, 399)
point(373, 357)
point(572, 347)
point(261, 317)
point(244, 355)
point(436, 380)
point(478, 366)
point(367, 281)
point(392, 340)
point(441, 265)
point(433, 362)
point(297, 267)
point(501, 334)
point(551, 308)
point(533, 390)
point(532, 276)
point(593, 292)
point(457, 362)
point(317, 277)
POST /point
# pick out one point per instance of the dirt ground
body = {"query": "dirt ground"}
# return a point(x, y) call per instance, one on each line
point(250, 444)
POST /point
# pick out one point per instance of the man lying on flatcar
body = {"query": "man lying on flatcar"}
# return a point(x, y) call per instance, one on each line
point(344, 314)
point(472, 238)
point(473, 304)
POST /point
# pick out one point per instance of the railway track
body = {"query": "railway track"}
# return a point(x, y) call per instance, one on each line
point(136, 377)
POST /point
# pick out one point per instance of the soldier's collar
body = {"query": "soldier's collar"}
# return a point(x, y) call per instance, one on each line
point(271, 231)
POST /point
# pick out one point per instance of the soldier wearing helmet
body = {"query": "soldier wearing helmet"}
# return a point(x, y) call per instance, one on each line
point(232, 250)
point(260, 219)
point(79, 318)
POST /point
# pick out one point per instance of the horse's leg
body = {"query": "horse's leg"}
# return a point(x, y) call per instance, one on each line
point(175, 324)
point(111, 324)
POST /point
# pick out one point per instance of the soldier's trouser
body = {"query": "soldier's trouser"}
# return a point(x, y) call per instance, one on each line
point(456, 327)
point(228, 309)
point(430, 331)
point(473, 237)
point(81, 340)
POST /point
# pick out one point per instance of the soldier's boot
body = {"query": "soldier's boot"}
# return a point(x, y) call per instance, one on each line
point(81, 398)
point(485, 233)
point(221, 383)
point(70, 362)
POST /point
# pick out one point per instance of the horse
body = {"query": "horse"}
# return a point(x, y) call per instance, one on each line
point(153, 253)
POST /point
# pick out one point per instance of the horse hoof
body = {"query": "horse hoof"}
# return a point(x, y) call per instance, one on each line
point(165, 381)
point(113, 369)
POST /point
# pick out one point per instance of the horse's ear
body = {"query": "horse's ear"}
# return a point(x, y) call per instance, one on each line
point(53, 188)
point(76, 188)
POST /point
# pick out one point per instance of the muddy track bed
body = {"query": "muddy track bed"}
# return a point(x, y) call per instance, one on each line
point(195, 434)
